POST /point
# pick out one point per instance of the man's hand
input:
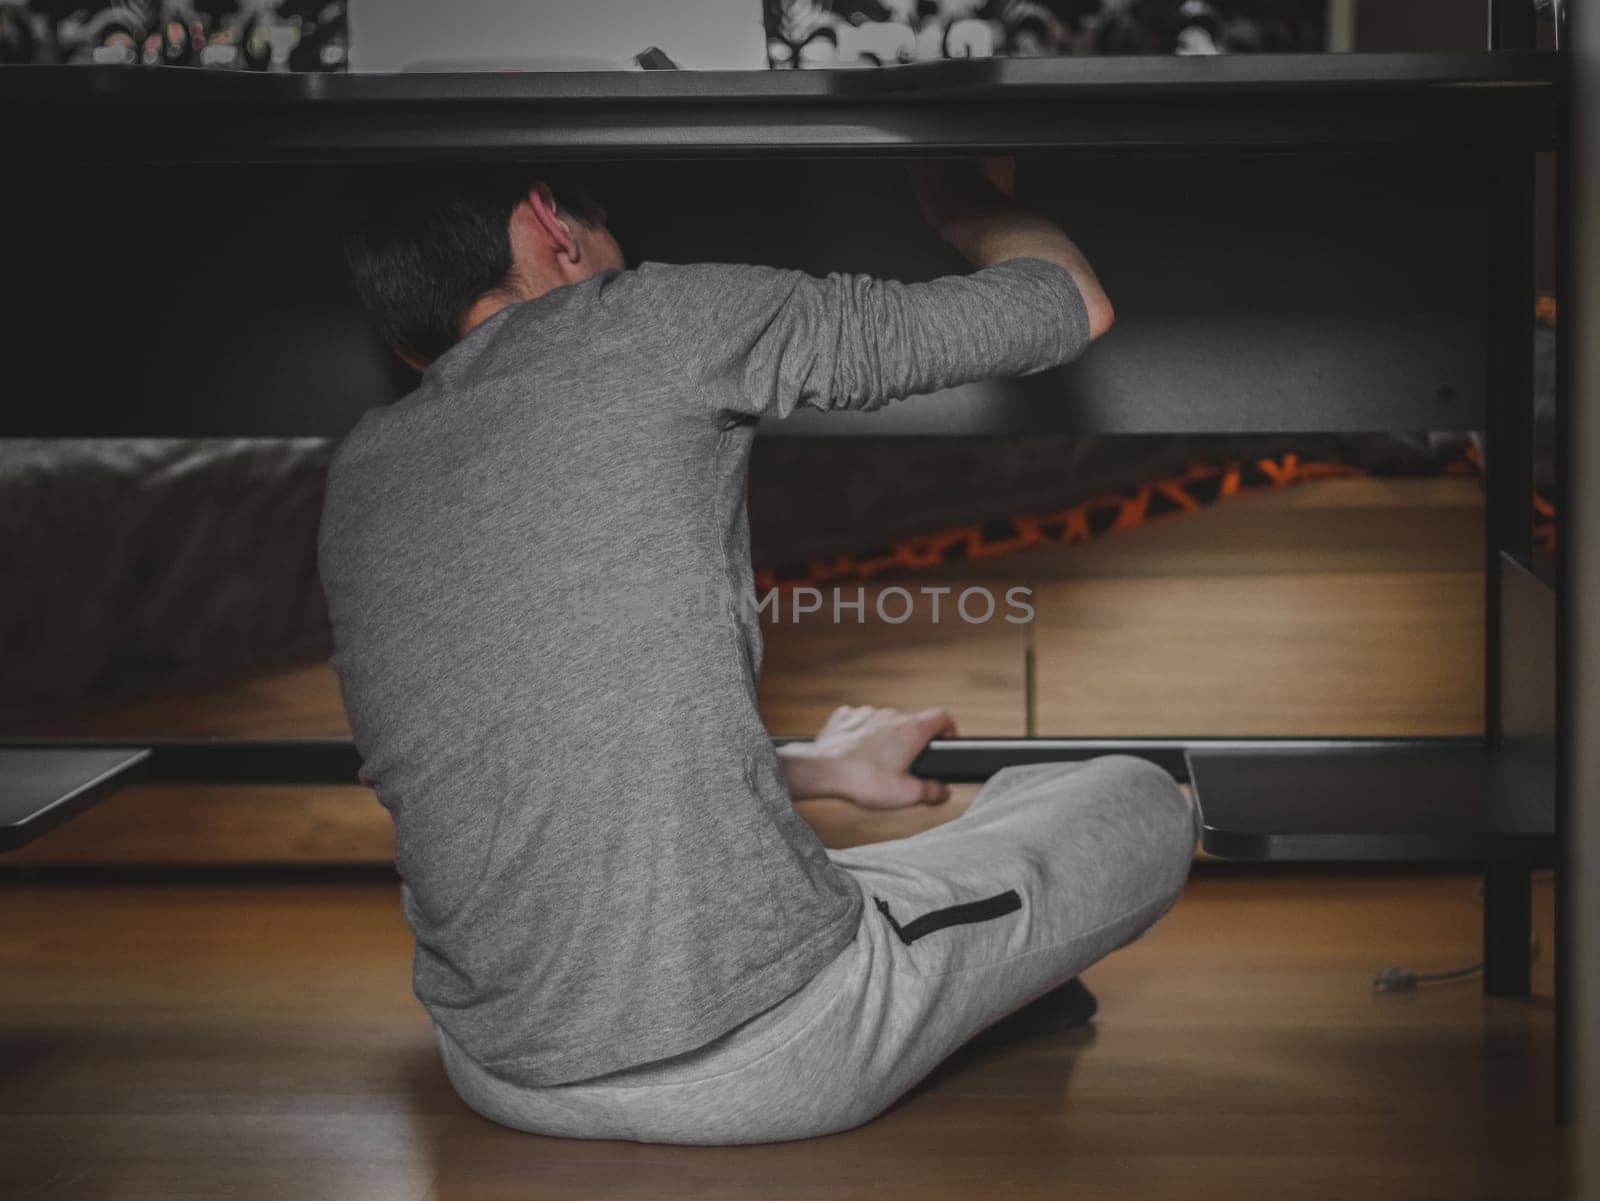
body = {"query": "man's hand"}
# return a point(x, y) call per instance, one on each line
point(971, 204)
point(862, 754)
point(952, 191)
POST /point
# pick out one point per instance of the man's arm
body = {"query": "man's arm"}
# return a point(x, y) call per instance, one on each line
point(762, 341)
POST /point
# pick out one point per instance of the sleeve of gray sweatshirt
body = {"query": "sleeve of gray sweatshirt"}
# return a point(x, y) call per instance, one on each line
point(762, 340)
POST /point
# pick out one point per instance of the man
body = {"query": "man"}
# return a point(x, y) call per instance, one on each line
point(537, 566)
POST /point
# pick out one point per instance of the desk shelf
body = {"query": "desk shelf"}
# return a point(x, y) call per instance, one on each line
point(1323, 800)
point(1442, 800)
point(1409, 802)
point(42, 787)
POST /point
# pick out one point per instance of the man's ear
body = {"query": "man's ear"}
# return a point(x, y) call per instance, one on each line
point(541, 220)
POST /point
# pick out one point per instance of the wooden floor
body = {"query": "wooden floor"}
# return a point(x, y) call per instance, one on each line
point(176, 1041)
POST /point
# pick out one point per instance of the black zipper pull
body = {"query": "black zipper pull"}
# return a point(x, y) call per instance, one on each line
point(883, 908)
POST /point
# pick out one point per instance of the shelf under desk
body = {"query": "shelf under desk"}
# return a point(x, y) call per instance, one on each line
point(1444, 799)
point(1402, 801)
point(42, 787)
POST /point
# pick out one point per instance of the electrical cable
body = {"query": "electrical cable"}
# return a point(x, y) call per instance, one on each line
point(1404, 979)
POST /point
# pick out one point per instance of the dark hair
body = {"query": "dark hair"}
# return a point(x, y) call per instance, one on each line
point(421, 245)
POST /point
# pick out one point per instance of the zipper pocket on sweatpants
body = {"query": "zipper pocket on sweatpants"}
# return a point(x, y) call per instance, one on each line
point(967, 913)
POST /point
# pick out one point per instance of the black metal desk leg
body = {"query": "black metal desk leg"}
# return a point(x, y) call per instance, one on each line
point(1507, 929)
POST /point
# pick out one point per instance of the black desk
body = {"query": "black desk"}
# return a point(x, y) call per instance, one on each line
point(1302, 243)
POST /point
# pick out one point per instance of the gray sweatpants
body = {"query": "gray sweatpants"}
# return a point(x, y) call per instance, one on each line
point(1050, 869)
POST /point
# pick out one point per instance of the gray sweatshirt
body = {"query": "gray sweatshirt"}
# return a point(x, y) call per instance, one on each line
point(538, 570)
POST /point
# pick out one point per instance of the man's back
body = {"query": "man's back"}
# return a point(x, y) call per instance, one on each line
point(538, 571)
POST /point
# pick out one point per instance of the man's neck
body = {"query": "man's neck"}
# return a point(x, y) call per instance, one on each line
point(487, 306)
point(490, 303)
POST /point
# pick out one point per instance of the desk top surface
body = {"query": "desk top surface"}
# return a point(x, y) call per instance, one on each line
point(1269, 100)
point(993, 78)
